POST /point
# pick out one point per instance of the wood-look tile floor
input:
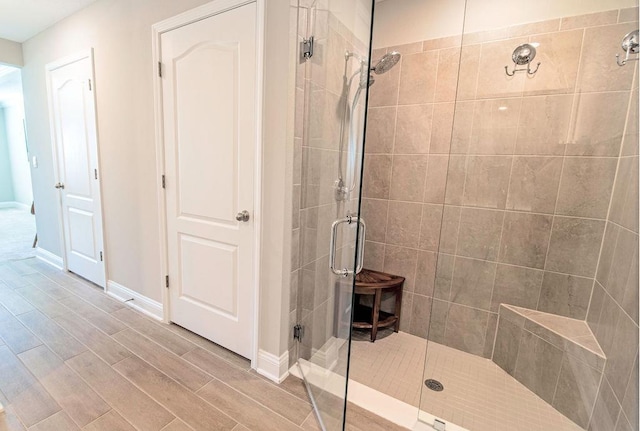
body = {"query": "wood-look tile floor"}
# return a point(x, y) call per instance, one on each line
point(72, 358)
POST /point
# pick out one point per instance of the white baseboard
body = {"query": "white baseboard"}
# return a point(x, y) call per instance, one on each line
point(135, 300)
point(14, 204)
point(273, 367)
point(50, 258)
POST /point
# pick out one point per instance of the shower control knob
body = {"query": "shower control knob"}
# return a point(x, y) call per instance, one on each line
point(243, 216)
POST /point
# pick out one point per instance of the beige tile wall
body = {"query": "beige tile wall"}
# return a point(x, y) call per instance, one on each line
point(508, 178)
point(613, 314)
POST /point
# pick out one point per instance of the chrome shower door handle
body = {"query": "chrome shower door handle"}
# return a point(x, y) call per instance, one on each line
point(361, 237)
point(344, 272)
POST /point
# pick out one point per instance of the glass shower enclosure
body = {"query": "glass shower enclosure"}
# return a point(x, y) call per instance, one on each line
point(500, 179)
point(331, 88)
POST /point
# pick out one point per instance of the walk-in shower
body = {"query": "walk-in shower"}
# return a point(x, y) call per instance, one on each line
point(506, 200)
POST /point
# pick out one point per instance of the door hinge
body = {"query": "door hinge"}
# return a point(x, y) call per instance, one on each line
point(89, 80)
point(164, 182)
point(160, 69)
point(166, 281)
point(306, 48)
point(298, 332)
point(101, 257)
point(95, 174)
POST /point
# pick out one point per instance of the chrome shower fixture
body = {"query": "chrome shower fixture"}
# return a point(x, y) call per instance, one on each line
point(346, 181)
point(631, 46)
point(523, 54)
point(386, 63)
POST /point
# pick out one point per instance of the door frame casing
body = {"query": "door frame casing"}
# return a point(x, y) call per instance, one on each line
point(49, 68)
point(200, 13)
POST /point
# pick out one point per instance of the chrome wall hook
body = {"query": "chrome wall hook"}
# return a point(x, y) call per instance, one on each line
point(631, 46)
point(523, 54)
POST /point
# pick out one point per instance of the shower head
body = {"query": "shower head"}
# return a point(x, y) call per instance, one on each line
point(386, 63)
point(364, 82)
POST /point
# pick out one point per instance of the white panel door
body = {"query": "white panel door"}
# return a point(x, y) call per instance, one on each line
point(209, 108)
point(72, 105)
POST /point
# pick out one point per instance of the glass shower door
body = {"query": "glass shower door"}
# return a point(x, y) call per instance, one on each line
point(529, 254)
point(333, 72)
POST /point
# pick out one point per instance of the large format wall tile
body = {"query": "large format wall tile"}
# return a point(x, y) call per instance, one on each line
point(598, 70)
point(487, 181)
point(516, 285)
point(447, 75)
point(465, 329)
point(597, 131)
point(525, 239)
point(566, 295)
point(377, 176)
point(535, 187)
point(430, 227)
point(479, 233)
point(538, 365)
point(544, 125)
point(585, 186)
point(408, 175)
point(576, 391)
point(559, 55)
point(495, 126)
point(413, 129)
point(385, 90)
point(381, 129)
point(574, 246)
point(418, 78)
point(472, 282)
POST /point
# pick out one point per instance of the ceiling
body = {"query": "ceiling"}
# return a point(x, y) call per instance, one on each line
point(20, 20)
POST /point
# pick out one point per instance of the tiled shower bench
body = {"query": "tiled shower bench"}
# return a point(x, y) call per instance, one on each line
point(556, 357)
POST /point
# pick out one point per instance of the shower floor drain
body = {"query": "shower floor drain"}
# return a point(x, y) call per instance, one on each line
point(434, 385)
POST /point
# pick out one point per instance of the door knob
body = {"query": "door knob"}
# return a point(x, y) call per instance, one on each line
point(243, 216)
point(59, 186)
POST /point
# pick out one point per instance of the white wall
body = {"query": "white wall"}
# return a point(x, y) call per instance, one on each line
point(403, 21)
point(354, 14)
point(10, 52)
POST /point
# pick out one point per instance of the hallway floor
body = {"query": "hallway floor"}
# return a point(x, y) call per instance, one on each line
point(72, 358)
point(478, 395)
point(17, 230)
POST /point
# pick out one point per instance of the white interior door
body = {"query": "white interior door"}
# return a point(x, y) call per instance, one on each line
point(73, 120)
point(209, 108)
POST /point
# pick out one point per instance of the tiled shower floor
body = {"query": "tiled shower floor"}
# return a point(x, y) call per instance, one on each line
point(478, 395)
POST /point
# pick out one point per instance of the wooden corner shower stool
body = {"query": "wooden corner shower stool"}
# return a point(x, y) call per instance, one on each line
point(375, 283)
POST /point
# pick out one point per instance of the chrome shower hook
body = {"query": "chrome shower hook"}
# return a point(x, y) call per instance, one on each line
point(523, 54)
point(630, 45)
